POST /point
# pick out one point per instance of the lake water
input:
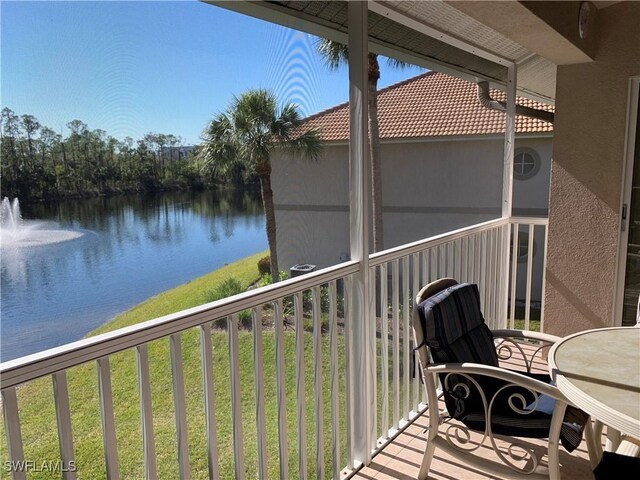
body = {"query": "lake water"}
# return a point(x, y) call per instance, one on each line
point(133, 247)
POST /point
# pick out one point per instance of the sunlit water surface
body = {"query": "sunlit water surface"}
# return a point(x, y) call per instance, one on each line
point(131, 248)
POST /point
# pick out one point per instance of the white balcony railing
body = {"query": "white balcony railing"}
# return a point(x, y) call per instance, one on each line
point(313, 309)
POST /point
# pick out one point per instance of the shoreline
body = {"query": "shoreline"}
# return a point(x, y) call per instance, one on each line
point(186, 295)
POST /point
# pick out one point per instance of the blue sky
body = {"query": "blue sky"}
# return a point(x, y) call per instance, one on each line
point(154, 66)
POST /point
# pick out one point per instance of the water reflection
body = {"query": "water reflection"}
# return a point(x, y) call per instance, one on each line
point(133, 247)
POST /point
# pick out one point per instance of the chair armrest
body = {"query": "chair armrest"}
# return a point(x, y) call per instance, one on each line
point(499, 373)
point(528, 334)
point(515, 344)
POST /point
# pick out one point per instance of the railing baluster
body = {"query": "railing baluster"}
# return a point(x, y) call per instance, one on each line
point(300, 393)
point(107, 418)
point(384, 350)
point(258, 375)
point(476, 258)
point(483, 270)
point(463, 259)
point(544, 274)
point(236, 399)
point(490, 308)
point(514, 274)
point(433, 264)
point(348, 346)
point(319, 391)
point(415, 261)
point(13, 433)
point(175, 347)
point(209, 401)
point(335, 386)
point(497, 280)
point(371, 356)
point(63, 417)
point(506, 238)
point(146, 413)
point(527, 308)
point(405, 337)
point(283, 446)
point(502, 232)
point(424, 282)
point(396, 344)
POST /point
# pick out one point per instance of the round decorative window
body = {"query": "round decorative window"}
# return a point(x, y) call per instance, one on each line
point(526, 163)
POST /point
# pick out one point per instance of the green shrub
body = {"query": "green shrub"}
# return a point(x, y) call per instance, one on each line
point(228, 288)
point(264, 266)
point(266, 278)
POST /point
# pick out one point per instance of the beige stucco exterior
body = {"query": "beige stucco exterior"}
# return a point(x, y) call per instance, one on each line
point(587, 176)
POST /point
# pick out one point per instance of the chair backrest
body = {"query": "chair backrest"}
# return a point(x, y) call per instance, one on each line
point(454, 328)
point(449, 322)
point(418, 332)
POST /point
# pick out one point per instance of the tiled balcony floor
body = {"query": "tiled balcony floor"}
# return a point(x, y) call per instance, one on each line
point(401, 460)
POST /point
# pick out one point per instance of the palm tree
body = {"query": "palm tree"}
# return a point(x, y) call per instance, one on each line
point(248, 132)
point(335, 55)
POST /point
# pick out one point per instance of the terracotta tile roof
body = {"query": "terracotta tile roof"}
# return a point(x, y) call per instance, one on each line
point(430, 105)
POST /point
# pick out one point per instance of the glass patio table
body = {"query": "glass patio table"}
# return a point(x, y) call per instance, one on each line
point(599, 372)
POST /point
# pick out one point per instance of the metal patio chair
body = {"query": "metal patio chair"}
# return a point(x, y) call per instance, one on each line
point(459, 359)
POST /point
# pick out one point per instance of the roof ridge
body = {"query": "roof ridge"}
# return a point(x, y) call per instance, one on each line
point(407, 80)
point(324, 112)
point(382, 90)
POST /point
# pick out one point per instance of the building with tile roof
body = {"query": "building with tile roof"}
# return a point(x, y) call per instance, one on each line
point(442, 164)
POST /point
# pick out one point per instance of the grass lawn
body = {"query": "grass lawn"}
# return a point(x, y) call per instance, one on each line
point(38, 415)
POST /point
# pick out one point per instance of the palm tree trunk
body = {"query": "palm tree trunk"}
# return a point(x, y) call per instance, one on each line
point(375, 155)
point(264, 173)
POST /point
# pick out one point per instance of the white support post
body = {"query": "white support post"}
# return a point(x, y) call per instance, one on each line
point(360, 186)
point(507, 178)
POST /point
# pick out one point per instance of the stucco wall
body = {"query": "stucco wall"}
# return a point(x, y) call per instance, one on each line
point(428, 188)
point(586, 179)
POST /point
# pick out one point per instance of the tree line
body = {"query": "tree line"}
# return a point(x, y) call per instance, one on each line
point(37, 163)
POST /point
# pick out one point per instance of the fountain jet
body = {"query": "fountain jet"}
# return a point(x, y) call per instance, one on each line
point(16, 232)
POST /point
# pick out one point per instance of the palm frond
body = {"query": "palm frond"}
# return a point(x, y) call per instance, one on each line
point(286, 121)
point(399, 64)
point(219, 147)
point(308, 144)
point(333, 53)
